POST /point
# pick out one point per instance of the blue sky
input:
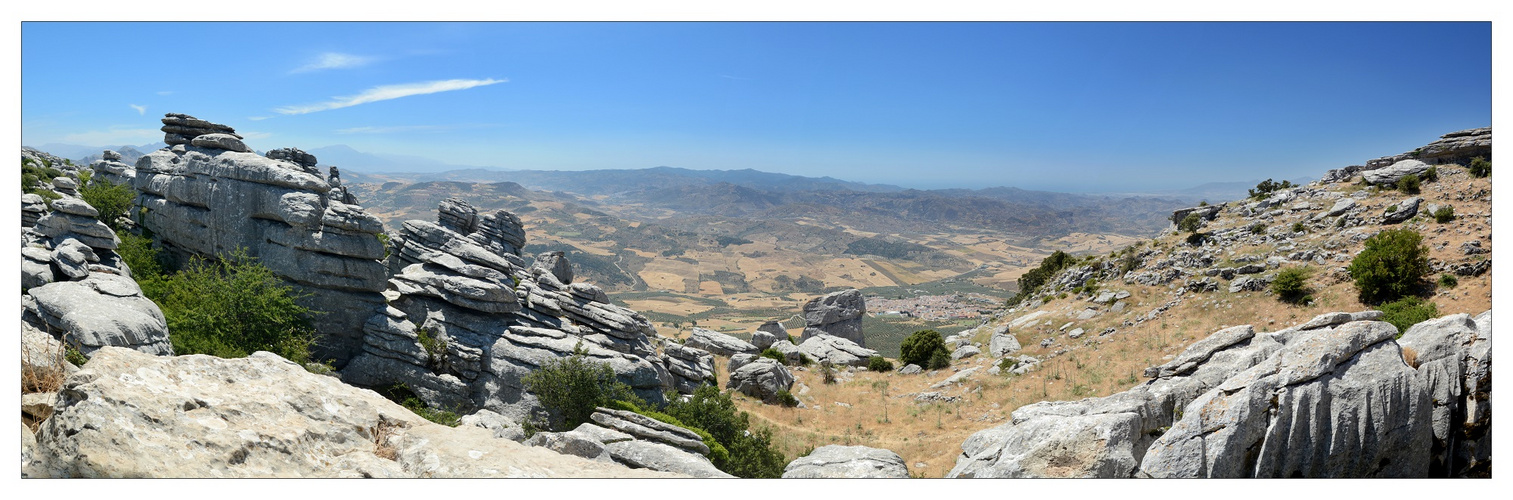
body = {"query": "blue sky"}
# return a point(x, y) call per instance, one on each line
point(1060, 106)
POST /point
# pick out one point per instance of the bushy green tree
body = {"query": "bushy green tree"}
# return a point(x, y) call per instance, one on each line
point(879, 364)
point(750, 450)
point(232, 307)
point(920, 346)
point(1391, 266)
point(1444, 214)
point(1190, 223)
point(571, 387)
point(111, 199)
point(1408, 311)
point(1480, 167)
point(1291, 285)
point(1409, 184)
point(1266, 187)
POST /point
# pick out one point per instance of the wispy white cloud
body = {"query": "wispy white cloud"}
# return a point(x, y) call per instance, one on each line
point(165, 92)
point(114, 135)
point(334, 60)
point(141, 110)
point(410, 128)
point(387, 92)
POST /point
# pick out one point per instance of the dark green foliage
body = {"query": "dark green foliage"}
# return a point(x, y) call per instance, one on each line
point(111, 199)
point(786, 399)
point(1197, 239)
point(879, 364)
point(1432, 174)
point(827, 372)
point(1291, 285)
point(400, 393)
point(1448, 281)
point(1444, 214)
point(717, 451)
point(1408, 311)
point(774, 355)
point(1128, 262)
point(1409, 184)
point(1203, 203)
point(1266, 187)
point(571, 387)
point(74, 356)
point(232, 307)
point(919, 347)
point(1190, 223)
point(881, 247)
point(1297, 227)
point(1032, 280)
point(725, 241)
point(939, 360)
point(1006, 364)
point(750, 450)
point(1392, 265)
point(1258, 228)
point(147, 263)
point(1480, 167)
point(436, 347)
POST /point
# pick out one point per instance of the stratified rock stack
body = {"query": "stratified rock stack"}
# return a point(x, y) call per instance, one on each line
point(306, 161)
point(847, 462)
point(1459, 147)
point(839, 314)
point(33, 207)
point(208, 196)
point(109, 168)
point(492, 320)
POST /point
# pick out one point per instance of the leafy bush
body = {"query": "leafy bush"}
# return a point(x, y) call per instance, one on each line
point(1033, 279)
point(1432, 174)
point(750, 450)
point(1444, 214)
point(1190, 223)
point(400, 393)
point(786, 399)
point(879, 364)
point(1266, 187)
point(1258, 228)
point(1007, 364)
point(1291, 285)
point(919, 347)
point(1297, 227)
point(232, 307)
point(1409, 184)
point(939, 360)
point(1480, 167)
point(571, 387)
point(1197, 239)
point(147, 264)
point(717, 451)
point(1407, 312)
point(773, 354)
point(1391, 266)
point(1448, 281)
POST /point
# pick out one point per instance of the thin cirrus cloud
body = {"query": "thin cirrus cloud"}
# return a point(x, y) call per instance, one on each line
point(141, 110)
point(387, 92)
point(334, 60)
point(395, 129)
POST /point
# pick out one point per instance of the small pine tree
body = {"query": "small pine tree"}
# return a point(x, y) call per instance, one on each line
point(919, 347)
point(1291, 285)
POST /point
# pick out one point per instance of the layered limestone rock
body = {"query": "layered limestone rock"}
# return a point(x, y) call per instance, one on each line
point(213, 201)
point(761, 378)
point(1332, 397)
point(262, 416)
point(1459, 147)
point(839, 314)
point(636, 441)
point(103, 309)
point(847, 462)
point(718, 343)
point(110, 168)
point(33, 207)
point(690, 367)
point(836, 351)
point(489, 320)
point(1388, 176)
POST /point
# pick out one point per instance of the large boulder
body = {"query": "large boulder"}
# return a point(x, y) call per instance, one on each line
point(1459, 147)
point(690, 367)
point(263, 416)
point(762, 378)
point(1388, 176)
point(1402, 210)
point(1453, 356)
point(836, 351)
point(1002, 343)
point(718, 343)
point(839, 314)
point(635, 441)
point(102, 310)
point(847, 462)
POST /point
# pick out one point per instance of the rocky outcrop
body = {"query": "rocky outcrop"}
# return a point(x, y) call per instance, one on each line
point(110, 168)
point(103, 309)
point(1332, 397)
point(762, 378)
point(306, 161)
point(718, 343)
point(1453, 359)
point(262, 416)
point(1402, 210)
point(767, 334)
point(690, 367)
point(1002, 343)
point(1206, 212)
point(490, 321)
point(75, 219)
point(33, 207)
point(212, 201)
point(1459, 147)
point(847, 462)
point(836, 351)
point(839, 314)
point(636, 441)
point(1388, 176)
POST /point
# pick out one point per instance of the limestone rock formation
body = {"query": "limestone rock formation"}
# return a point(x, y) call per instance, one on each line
point(718, 343)
point(1459, 147)
point(635, 441)
point(690, 367)
point(491, 320)
point(103, 309)
point(110, 168)
point(211, 202)
point(1402, 210)
point(839, 314)
point(33, 207)
point(837, 351)
point(1453, 355)
point(1388, 176)
point(556, 264)
point(847, 462)
point(762, 378)
point(1002, 343)
point(306, 161)
point(263, 416)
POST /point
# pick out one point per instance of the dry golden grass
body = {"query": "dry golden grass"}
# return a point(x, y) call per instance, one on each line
point(46, 374)
point(1410, 356)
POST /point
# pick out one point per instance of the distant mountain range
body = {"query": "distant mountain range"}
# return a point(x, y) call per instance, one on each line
point(85, 154)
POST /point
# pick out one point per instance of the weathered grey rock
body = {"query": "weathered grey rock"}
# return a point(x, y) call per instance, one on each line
point(690, 367)
point(60, 225)
point(556, 264)
point(1249, 284)
point(1459, 147)
point(791, 353)
point(719, 343)
point(1340, 207)
point(967, 351)
point(839, 314)
point(568, 443)
point(263, 416)
point(1390, 175)
point(66, 185)
point(775, 328)
point(72, 259)
point(1207, 212)
point(1002, 343)
point(75, 206)
point(739, 360)
point(1402, 210)
point(227, 142)
point(36, 267)
point(457, 215)
point(649, 429)
point(33, 207)
point(910, 369)
point(103, 310)
point(849, 462)
point(501, 232)
point(1200, 351)
point(762, 340)
point(837, 351)
point(1453, 357)
point(306, 161)
point(762, 379)
point(955, 379)
point(501, 426)
point(639, 454)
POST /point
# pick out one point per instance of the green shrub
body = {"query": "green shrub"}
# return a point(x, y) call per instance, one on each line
point(1258, 228)
point(1444, 214)
point(233, 307)
point(750, 450)
point(1408, 311)
point(1196, 239)
point(111, 199)
point(400, 393)
point(1007, 364)
point(1266, 187)
point(1409, 184)
point(939, 360)
point(879, 364)
point(786, 399)
point(1432, 174)
point(1391, 266)
point(1297, 227)
point(1190, 223)
point(1032, 280)
point(146, 263)
point(773, 354)
point(717, 451)
point(919, 347)
point(1291, 285)
point(571, 387)
point(1448, 281)
point(1480, 167)
point(435, 347)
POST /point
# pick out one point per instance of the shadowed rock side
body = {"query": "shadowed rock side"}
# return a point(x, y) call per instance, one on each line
point(838, 314)
point(489, 319)
point(211, 198)
point(261, 416)
point(1333, 397)
point(847, 462)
